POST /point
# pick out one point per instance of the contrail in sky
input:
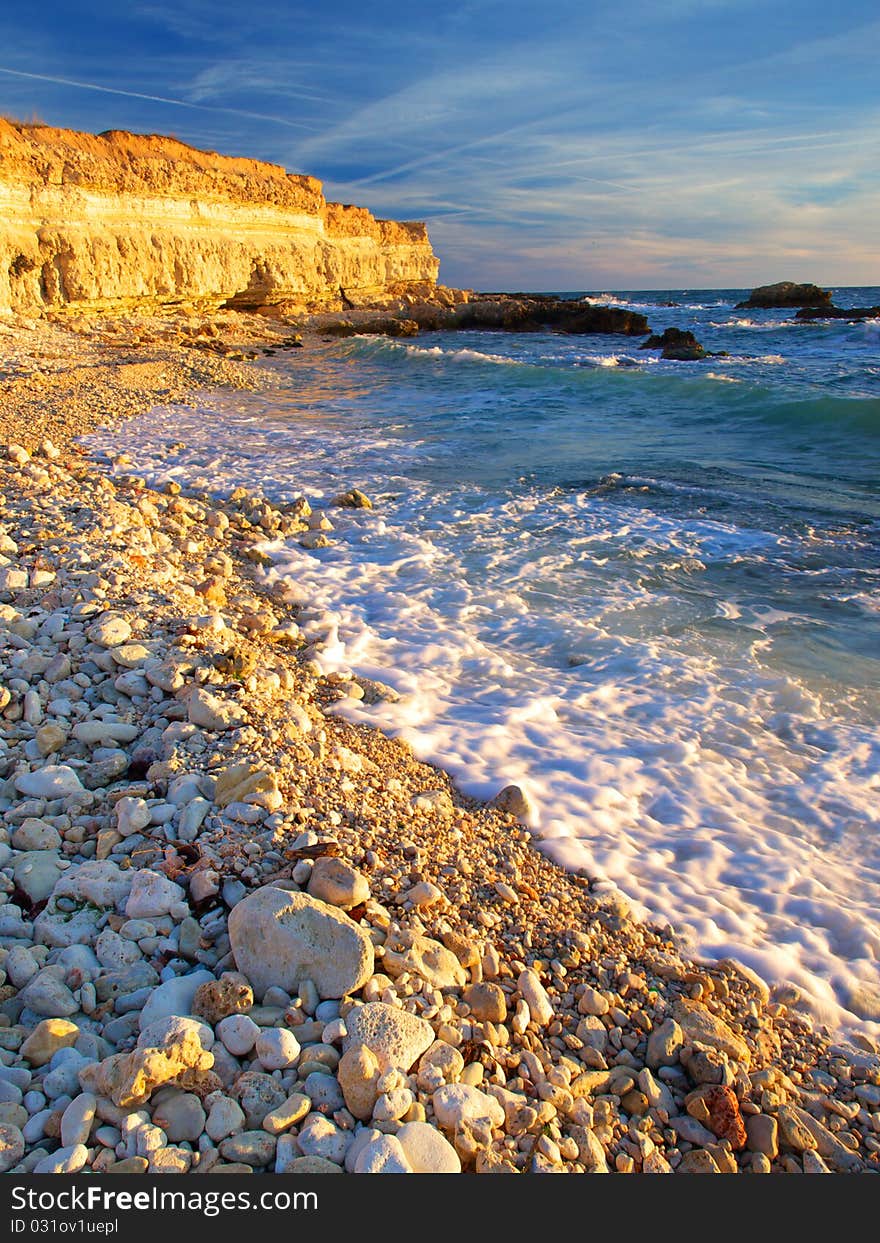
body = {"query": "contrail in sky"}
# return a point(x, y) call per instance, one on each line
point(156, 99)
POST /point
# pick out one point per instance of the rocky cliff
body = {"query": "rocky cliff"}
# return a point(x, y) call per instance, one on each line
point(118, 220)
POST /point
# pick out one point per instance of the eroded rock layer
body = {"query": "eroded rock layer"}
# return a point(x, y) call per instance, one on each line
point(119, 220)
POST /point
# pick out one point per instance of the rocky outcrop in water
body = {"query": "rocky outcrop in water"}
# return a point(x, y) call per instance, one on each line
point(524, 313)
point(378, 326)
point(676, 345)
point(852, 313)
point(123, 221)
point(786, 293)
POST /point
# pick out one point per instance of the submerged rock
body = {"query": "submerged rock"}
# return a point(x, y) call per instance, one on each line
point(513, 800)
point(352, 499)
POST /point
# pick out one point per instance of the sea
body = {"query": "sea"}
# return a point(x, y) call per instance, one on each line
point(647, 592)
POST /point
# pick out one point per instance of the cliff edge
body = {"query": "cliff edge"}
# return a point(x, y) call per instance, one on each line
point(117, 221)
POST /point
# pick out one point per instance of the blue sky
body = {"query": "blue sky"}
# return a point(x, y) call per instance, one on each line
point(562, 145)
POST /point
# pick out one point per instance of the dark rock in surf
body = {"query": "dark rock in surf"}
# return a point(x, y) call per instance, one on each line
point(387, 326)
point(786, 293)
point(676, 344)
point(610, 320)
point(853, 313)
point(531, 313)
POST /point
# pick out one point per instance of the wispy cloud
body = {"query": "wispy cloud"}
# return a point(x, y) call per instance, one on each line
point(256, 76)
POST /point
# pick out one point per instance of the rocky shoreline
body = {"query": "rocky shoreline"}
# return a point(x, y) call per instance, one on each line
point(240, 934)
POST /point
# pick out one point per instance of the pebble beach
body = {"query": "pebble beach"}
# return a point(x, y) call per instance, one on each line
point(239, 933)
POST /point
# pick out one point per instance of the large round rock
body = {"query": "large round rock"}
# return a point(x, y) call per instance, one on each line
point(395, 1037)
point(282, 938)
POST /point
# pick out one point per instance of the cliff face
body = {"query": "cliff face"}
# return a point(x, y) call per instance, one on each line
point(118, 220)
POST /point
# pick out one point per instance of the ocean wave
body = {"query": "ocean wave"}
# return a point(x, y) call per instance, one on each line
point(656, 801)
point(540, 362)
point(649, 304)
point(609, 299)
point(608, 360)
point(770, 325)
point(464, 355)
point(831, 414)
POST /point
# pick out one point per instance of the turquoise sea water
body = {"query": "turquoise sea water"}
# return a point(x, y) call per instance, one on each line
point(646, 591)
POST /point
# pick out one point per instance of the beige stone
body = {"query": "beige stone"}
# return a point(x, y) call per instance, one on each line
point(441, 1063)
point(793, 1134)
point(465, 950)
point(763, 1135)
point(47, 1038)
point(423, 956)
point(280, 937)
point(216, 999)
point(396, 1037)
point(287, 1115)
point(535, 995)
point(336, 882)
point(130, 1078)
point(487, 1002)
point(701, 1025)
point(358, 1074)
point(236, 782)
point(514, 801)
point(427, 1151)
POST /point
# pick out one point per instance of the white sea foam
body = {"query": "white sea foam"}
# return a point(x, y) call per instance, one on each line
point(712, 790)
point(769, 325)
point(664, 743)
point(610, 299)
point(467, 355)
point(463, 355)
point(608, 360)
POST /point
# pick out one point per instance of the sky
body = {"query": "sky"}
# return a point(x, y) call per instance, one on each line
point(562, 145)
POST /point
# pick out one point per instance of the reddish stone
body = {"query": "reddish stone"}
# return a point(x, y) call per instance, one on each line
point(725, 1119)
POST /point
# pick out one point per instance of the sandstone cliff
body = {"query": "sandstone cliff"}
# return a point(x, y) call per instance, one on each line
point(118, 220)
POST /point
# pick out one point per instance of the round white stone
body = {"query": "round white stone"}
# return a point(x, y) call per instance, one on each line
point(226, 1117)
point(132, 815)
point(427, 1151)
point(277, 1048)
point(76, 1121)
point(383, 1156)
point(52, 781)
point(459, 1102)
point(238, 1034)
